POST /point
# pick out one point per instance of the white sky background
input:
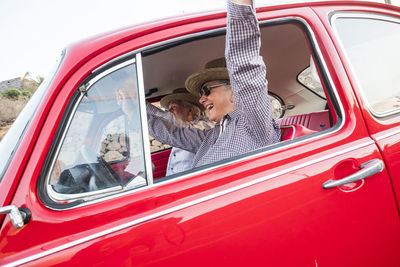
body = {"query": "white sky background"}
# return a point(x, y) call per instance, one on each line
point(33, 33)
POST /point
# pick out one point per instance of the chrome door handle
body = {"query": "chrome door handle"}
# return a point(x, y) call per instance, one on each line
point(367, 169)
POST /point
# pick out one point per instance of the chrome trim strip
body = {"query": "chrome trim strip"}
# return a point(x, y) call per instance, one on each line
point(81, 196)
point(185, 205)
point(387, 135)
point(364, 15)
point(261, 153)
point(143, 119)
point(108, 71)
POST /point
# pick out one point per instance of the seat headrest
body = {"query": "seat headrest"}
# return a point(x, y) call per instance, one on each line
point(290, 132)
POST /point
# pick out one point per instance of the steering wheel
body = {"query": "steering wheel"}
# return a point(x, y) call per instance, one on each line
point(104, 175)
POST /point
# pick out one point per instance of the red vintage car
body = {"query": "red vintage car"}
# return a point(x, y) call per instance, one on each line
point(80, 183)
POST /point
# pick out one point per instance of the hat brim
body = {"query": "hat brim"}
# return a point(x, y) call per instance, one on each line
point(164, 102)
point(195, 81)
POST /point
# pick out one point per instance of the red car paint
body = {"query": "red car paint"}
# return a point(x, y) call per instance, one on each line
point(265, 209)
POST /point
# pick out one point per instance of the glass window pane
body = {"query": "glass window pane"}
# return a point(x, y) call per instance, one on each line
point(310, 82)
point(372, 46)
point(103, 146)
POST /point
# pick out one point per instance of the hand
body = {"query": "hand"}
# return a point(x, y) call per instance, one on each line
point(127, 100)
point(243, 2)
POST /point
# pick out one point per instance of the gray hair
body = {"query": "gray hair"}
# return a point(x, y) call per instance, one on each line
point(196, 109)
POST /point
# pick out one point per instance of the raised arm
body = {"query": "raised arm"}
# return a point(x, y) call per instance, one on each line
point(246, 67)
point(159, 113)
point(165, 131)
point(247, 71)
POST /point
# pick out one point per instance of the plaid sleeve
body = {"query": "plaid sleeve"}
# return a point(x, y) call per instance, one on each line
point(239, 12)
point(165, 131)
point(247, 71)
point(155, 111)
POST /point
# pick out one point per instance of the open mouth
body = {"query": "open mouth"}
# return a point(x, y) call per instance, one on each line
point(209, 107)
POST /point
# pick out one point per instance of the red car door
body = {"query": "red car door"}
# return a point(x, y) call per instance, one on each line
point(375, 78)
point(281, 206)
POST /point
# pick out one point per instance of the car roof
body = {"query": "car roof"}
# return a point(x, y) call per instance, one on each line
point(151, 26)
point(81, 51)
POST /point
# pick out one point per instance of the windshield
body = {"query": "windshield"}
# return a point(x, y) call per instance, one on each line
point(11, 140)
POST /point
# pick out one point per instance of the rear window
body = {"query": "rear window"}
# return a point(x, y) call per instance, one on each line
point(378, 74)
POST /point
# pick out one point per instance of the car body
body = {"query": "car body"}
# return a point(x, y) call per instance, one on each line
point(283, 205)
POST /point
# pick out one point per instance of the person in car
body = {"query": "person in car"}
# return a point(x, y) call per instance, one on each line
point(184, 110)
point(236, 97)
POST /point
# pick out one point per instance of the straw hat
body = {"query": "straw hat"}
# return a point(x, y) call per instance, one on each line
point(180, 94)
point(216, 63)
point(214, 70)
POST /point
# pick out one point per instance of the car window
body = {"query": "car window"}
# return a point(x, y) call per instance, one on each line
point(167, 67)
point(309, 78)
point(372, 47)
point(102, 151)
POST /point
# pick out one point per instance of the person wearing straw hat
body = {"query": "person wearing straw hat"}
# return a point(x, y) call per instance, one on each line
point(235, 97)
point(184, 110)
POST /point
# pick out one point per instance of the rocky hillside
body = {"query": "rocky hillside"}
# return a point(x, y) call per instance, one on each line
point(14, 94)
point(9, 110)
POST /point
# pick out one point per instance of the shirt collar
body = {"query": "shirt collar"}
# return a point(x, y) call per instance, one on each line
point(232, 115)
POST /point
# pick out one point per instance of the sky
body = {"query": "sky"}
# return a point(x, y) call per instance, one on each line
point(33, 33)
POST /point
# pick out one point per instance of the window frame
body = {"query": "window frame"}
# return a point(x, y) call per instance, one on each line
point(46, 192)
point(136, 55)
point(363, 15)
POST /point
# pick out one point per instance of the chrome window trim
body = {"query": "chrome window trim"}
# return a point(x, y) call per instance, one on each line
point(87, 196)
point(264, 151)
point(143, 119)
point(185, 205)
point(81, 196)
point(363, 15)
point(95, 79)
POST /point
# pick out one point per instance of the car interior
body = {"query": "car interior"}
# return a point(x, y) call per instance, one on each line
point(297, 95)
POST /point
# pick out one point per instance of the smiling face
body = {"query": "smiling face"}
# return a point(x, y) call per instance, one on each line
point(219, 102)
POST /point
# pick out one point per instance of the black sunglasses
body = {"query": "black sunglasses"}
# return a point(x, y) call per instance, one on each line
point(206, 89)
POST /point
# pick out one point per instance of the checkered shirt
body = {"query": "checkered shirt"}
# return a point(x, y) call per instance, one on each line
point(251, 125)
